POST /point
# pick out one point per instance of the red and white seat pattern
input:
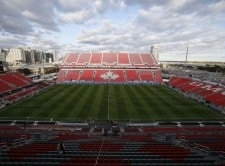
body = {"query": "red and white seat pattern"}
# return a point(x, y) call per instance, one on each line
point(109, 59)
point(109, 67)
point(209, 92)
point(108, 75)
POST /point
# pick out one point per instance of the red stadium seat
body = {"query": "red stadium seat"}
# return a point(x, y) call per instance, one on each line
point(109, 67)
point(10, 81)
point(209, 92)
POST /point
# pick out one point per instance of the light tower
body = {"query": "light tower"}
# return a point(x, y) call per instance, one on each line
point(43, 63)
point(185, 67)
point(155, 51)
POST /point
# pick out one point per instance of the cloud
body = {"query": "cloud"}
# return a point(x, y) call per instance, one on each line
point(111, 36)
point(15, 26)
point(18, 17)
point(16, 41)
point(78, 17)
point(79, 11)
point(120, 25)
point(41, 14)
point(11, 21)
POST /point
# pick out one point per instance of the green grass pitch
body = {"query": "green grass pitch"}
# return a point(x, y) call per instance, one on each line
point(107, 102)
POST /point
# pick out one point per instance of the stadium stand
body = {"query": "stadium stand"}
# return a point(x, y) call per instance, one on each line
point(98, 77)
point(189, 145)
point(135, 59)
point(132, 75)
point(61, 75)
point(15, 86)
point(84, 58)
point(157, 76)
point(71, 59)
point(12, 81)
point(109, 58)
point(146, 75)
point(96, 58)
point(116, 76)
point(4, 86)
point(72, 75)
point(109, 68)
point(123, 58)
point(146, 59)
point(86, 75)
point(210, 93)
point(20, 94)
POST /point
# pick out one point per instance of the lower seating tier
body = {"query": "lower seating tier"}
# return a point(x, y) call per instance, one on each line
point(109, 75)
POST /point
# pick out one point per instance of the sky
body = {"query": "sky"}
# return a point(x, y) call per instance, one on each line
point(117, 25)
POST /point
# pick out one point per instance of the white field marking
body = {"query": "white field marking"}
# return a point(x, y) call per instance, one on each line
point(187, 106)
point(108, 102)
point(28, 105)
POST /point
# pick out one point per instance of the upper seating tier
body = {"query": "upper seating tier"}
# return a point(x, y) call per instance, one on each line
point(109, 59)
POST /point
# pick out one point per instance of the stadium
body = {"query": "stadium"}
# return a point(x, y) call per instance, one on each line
point(111, 108)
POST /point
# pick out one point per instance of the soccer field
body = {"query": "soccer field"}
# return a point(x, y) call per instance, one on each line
point(108, 102)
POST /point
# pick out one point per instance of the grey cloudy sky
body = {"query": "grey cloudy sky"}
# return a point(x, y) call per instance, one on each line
point(117, 25)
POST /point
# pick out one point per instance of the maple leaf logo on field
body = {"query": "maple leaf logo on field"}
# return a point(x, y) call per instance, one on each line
point(109, 75)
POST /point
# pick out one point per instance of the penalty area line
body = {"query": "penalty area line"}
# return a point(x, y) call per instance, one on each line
point(187, 106)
